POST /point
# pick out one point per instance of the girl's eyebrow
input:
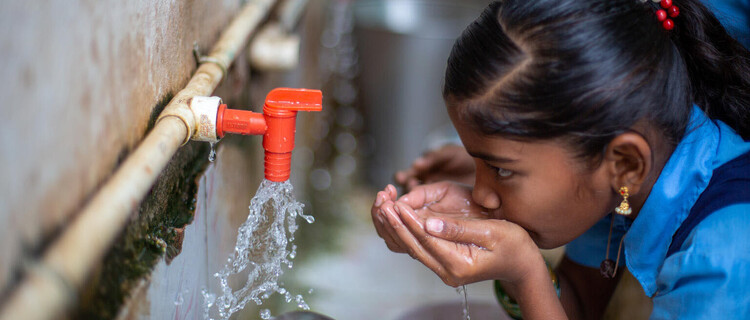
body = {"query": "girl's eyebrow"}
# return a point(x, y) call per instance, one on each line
point(490, 157)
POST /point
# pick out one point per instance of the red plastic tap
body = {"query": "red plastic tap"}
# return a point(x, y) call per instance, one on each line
point(276, 124)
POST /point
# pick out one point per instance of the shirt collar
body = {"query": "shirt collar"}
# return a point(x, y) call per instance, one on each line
point(682, 180)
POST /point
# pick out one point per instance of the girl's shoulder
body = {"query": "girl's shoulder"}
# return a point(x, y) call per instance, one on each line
point(709, 277)
point(725, 234)
point(725, 203)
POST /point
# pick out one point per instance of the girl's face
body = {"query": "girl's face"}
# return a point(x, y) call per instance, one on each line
point(540, 186)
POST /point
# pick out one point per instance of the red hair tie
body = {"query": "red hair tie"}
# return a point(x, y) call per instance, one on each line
point(668, 10)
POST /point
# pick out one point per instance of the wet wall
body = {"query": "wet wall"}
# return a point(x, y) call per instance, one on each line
point(83, 82)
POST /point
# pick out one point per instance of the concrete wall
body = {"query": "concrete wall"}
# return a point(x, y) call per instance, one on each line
point(80, 82)
point(83, 82)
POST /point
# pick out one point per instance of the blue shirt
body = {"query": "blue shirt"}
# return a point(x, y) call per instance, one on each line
point(709, 277)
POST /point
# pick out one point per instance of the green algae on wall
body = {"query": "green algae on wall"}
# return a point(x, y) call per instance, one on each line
point(156, 231)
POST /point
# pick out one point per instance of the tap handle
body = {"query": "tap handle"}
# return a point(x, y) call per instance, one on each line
point(280, 100)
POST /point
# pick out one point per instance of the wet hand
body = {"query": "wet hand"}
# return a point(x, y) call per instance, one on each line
point(450, 162)
point(437, 199)
point(476, 250)
point(460, 248)
point(447, 199)
point(382, 206)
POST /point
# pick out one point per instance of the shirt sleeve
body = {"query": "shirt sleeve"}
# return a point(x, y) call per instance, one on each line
point(709, 278)
point(590, 248)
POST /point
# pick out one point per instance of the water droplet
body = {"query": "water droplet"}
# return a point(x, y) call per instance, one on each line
point(212, 154)
point(265, 314)
point(179, 300)
point(181, 297)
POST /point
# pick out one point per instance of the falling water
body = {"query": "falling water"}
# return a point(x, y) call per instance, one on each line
point(266, 238)
point(212, 154)
point(465, 303)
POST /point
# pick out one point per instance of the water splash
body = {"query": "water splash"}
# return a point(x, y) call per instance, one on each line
point(465, 303)
point(265, 314)
point(212, 154)
point(180, 299)
point(266, 238)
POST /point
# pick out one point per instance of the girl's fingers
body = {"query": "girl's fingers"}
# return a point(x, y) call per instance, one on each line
point(380, 198)
point(477, 232)
point(391, 192)
point(423, 195)
point(411, 220)
point(378, 220)
point(388, 214)
point(449, 254)
point(411, 244)
point(392, 243)
point(415, 198)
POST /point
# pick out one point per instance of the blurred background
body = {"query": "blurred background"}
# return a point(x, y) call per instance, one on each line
point(83, 83)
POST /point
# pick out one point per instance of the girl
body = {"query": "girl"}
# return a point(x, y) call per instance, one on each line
point(615, 127)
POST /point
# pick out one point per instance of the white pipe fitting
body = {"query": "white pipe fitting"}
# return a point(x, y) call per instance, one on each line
point(204, 110)
point(274, 49)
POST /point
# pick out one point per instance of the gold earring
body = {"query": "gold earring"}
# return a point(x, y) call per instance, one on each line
point(624, 207)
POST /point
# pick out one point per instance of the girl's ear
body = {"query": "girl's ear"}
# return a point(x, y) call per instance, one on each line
point(629, 161)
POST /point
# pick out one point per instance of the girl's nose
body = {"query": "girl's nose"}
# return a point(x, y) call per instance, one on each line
point(484, 195)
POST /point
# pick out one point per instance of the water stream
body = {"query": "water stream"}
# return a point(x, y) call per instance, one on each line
point(212, 154)
point(264, 247)
point(465, 302)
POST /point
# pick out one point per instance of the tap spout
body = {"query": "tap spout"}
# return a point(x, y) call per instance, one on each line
point(277, 124)
point(280, 112)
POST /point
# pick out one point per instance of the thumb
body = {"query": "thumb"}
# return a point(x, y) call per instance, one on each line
point(476, 232)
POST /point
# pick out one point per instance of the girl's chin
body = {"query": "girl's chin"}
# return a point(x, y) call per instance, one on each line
point(544, 243)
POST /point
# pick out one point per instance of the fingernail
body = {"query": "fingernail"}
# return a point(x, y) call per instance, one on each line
point(378, 201)
point(395, 207)
point(434, 225)
point(380, 217)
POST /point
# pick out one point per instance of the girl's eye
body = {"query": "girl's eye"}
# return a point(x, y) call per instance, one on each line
point(504, 173)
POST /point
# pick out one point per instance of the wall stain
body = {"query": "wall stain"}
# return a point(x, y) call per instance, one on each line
point(157, 109)
point(154, 231)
